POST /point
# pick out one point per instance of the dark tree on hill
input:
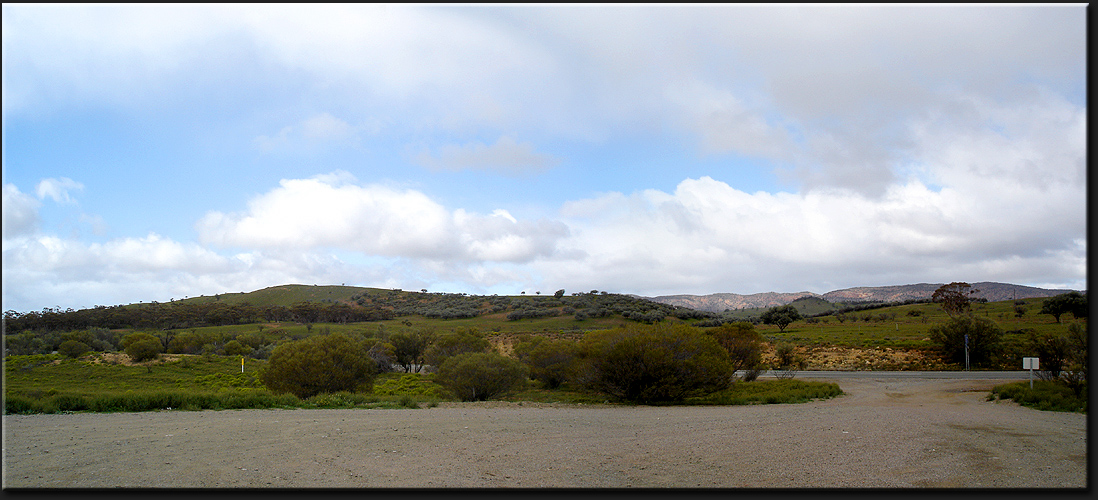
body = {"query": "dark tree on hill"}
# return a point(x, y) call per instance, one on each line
point(954, 297)
point(781, 316)
point(1071, 302)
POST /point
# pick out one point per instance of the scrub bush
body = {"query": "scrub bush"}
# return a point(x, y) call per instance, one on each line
point(320, 364)
point(551, 362)
point(142, 346)
point(656, 363)
point(480, 376)
point(73, 348)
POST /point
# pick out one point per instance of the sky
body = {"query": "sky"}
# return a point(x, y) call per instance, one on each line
point(157, 152)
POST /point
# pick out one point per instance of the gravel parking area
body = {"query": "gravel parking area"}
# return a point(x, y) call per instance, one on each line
point(883, 433)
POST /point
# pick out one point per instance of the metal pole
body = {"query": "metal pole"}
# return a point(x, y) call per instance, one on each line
point(966, 351)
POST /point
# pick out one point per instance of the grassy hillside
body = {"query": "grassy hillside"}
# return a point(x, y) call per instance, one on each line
point(905, 326)
point(287, 295)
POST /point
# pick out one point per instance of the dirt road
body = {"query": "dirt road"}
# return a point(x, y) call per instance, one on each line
point(906, 433)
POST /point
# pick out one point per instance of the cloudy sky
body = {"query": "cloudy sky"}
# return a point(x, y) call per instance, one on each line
point(159, 152)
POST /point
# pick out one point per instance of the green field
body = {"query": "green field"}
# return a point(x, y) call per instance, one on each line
point(908, 325)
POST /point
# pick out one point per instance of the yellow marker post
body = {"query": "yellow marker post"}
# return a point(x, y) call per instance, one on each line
point(242, 364)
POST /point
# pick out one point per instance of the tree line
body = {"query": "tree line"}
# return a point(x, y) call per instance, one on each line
point(181, 314)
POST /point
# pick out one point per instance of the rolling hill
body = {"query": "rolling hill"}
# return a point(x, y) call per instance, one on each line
point(718, 302)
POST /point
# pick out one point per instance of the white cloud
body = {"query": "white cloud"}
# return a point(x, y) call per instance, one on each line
point(318, 129)
point(20, 213)
point(727, 123)
point(325, 126)
point(845, 77)
point(47, 271)
point(709, 237)
point(267, 144)
point(58, 189)
point(505, 156)
point(331, 211)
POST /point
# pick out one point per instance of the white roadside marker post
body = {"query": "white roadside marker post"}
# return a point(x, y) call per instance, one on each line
point(1031, 364)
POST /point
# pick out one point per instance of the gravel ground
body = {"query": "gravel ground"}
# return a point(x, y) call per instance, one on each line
point(883, 433)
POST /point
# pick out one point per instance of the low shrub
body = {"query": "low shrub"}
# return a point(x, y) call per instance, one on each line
point(147, 401)
point(780, 391)
point(1045, 395)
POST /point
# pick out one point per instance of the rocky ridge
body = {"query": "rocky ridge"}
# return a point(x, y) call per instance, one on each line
point(718, 302)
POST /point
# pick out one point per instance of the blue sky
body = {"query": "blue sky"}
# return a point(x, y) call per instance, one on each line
point(158, 152)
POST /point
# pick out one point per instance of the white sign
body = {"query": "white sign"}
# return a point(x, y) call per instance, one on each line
point(1031, 363)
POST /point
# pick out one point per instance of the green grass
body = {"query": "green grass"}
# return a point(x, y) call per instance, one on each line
point(770, 392)
point(50, 383)
point(408, 384)
point(1045, 395)
point(52, 371)
point(533, 392)
point(903, 329)
point(147, 400)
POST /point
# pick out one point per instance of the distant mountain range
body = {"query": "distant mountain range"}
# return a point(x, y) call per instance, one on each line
point(718, 302)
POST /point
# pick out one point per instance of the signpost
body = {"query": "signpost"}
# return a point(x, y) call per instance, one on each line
point(1031, 364)
point(966, 351)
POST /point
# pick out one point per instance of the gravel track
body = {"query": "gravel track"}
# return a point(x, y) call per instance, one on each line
point(883, 433)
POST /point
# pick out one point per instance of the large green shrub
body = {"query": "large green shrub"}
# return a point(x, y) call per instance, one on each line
point(451, 344)
point(551, 362)
point(73, 348)
point(787, 361)
point(655, 363)
point(235, 348)
point(409, 349)
point(479, 376)
point(324, 363)
point(984, 339)
point(744, 346)
point(142, 346)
